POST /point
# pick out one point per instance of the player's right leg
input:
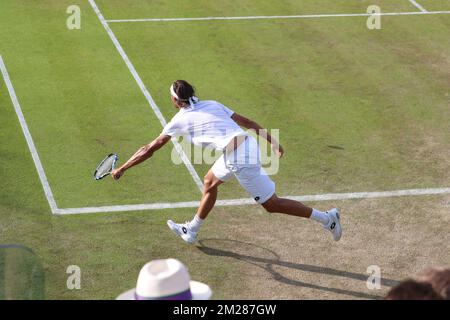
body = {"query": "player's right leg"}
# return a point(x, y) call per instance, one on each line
point(218, 174)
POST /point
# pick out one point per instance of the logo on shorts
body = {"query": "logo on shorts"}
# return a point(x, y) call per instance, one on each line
point(256, 198)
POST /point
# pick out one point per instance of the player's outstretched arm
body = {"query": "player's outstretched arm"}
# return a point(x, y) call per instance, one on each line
point(141, 155)
point(252, 125)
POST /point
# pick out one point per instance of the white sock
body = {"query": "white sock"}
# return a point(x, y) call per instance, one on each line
point(196, 223)
point(320, 216)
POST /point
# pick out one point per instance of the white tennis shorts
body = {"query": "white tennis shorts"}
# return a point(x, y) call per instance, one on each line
point(244, 163)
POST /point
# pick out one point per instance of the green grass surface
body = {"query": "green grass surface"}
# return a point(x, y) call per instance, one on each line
point(382, 97)
point(129, 9)
point(435, 5)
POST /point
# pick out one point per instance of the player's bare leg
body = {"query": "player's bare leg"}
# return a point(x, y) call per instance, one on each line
point(188, 231)
point(287, 206)
point(209, 194)
point(330, 219)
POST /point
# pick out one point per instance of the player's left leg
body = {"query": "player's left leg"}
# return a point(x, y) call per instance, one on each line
point(291, 207)
point(329, 219)
point(257, 183)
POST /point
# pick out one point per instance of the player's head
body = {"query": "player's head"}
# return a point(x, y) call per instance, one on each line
point(182, 93)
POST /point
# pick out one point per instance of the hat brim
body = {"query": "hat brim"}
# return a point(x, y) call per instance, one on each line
point(199, 290)
point(127, 295)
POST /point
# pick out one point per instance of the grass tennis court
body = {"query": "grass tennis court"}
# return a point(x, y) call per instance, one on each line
point(358, 111)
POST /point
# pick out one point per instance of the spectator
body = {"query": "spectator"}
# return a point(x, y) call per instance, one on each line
point(166, 279)
point(413, 290)
point(439, 278)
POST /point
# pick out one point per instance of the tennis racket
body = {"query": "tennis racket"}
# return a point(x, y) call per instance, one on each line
point(106, 166)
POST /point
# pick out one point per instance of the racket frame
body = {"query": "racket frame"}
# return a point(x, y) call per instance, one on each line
point(116, 157)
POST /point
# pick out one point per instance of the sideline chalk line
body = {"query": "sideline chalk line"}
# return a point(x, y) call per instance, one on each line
point(418, 6)
point(147, 95)
point(26, 132)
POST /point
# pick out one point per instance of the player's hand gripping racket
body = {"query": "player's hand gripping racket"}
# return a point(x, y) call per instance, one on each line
point(106, 166)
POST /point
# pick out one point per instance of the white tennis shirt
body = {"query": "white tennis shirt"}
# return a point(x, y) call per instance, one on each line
point(207, 123)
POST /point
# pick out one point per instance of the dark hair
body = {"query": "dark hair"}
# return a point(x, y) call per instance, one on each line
point(413, 290)
point(183, 90)
point(439, 278)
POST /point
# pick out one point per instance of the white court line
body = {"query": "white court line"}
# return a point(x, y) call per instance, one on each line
point(28, 138)
point(147, 95)
point(304, 16)
point(418, 6)
point(247, 201)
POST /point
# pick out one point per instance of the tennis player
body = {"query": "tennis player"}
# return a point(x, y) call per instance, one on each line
point(209, 123)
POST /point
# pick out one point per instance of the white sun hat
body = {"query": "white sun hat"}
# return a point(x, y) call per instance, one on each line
point(166, 279)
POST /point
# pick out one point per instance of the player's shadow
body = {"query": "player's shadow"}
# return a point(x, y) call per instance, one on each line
point(251, 253)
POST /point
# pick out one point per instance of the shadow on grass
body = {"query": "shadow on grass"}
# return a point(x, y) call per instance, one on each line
point(336, 147)
point(266, 259)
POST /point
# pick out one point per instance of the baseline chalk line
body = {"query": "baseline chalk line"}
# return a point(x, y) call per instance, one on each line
point(249, 201)
point(304, 16)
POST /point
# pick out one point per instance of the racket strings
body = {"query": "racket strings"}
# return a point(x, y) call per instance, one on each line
point(106, 166)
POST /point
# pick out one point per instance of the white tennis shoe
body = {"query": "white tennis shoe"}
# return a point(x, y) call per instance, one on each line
point(183, 230)
point(334, 225)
